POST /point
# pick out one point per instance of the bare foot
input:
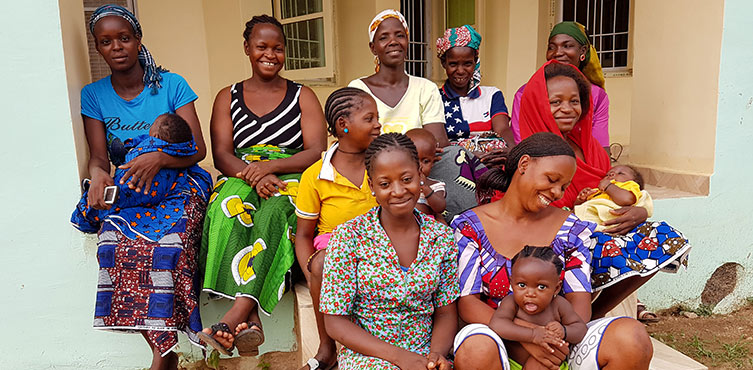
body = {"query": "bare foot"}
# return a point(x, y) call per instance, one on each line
point(244, 325)
point(224, 338)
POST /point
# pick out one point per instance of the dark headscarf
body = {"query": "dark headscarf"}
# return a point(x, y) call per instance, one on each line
point(152, 72)
point(591, 67)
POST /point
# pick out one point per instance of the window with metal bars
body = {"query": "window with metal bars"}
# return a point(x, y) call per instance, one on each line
point(608, 24)
point(417, 58)
point(97, 65)
point(303, 23)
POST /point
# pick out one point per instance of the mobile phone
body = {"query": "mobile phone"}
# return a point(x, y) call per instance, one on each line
point(111, 194)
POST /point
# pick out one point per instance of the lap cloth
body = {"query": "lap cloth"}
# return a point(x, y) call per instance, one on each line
point(459, 170)
point(583, 356)
point(247, 245)
point(151, 286)
point(651, 247)
point(148, 216)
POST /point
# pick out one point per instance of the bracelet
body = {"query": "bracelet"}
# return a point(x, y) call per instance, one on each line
point(428, 195)
point(607, 187)
point(564, 329)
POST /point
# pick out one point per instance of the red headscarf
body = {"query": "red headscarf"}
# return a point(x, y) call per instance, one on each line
point(536, 116)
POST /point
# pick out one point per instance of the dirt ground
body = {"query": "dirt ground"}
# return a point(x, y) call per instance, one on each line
point(718, 341)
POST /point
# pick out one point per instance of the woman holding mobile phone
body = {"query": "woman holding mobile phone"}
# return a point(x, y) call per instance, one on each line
point(146, 284)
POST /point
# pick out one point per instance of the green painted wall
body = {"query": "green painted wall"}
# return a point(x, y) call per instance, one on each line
point(49, 276)
point(719, 225)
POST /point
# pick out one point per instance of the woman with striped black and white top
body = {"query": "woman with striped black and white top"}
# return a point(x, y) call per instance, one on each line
point(265, 131)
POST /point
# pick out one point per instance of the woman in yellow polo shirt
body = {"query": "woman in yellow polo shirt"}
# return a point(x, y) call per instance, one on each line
point(332, 191)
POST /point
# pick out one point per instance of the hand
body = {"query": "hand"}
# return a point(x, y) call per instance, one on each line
point(555, 330)
point(412, 361)
point(141, 171)
point(542, 338)
point(627, 219)
point(254, 172)
point(268, 185)
point(438, 362)
point(604, 183)
point(96, 196)
point(495, 158)
point(584, 194)
point(548, 359)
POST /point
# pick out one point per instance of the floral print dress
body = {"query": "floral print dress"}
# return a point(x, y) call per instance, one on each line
point(363, 279)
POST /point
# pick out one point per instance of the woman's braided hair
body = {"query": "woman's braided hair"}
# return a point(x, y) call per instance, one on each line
point(386, 143)
point(258, 19)
point(541, 144)
point(342, 103)
point(545, 254)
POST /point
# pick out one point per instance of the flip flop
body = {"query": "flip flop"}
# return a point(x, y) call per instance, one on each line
point(249, 340)
point(644, 315)
point(314, 364)
point(209, 338)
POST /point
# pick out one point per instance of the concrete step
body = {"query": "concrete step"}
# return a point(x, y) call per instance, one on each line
point(308, 335)
point(667, 358)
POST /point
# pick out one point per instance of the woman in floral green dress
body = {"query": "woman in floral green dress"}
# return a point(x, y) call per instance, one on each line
point(390, 275)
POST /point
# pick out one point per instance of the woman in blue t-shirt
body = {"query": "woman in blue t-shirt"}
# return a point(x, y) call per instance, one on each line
point(146, 284)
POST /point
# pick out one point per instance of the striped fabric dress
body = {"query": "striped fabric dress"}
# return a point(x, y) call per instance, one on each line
point(484, 271)
point(281, 127)
point(247, 248)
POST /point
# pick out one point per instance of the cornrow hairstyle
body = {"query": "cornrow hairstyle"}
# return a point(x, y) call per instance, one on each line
point(638, 176)
point(389, 142)
point(342, 103)
point(584, 86)
point(259, 19)
point(541, 144)
point(545, 254)
point(173, 128)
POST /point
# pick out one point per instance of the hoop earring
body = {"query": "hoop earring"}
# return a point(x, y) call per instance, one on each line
point(345, 130)
point(582, 57)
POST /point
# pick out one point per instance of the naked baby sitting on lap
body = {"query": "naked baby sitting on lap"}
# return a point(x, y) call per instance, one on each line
point(534, 312)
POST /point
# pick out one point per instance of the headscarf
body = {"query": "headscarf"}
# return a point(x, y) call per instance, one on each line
point(387, 13)
point(536, 116)
point(152, 72)
point(591, 65)
point(462, 36)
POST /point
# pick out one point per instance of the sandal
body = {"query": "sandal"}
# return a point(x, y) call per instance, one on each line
point(209, 338)
point(646, 316)
point(248, 340)
point(314, 364)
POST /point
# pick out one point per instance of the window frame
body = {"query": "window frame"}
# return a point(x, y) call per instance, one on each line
point(316, 74)
point(625, 71)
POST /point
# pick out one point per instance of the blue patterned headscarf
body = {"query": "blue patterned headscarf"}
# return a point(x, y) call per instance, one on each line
point(462, 36)
point(152, 72)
